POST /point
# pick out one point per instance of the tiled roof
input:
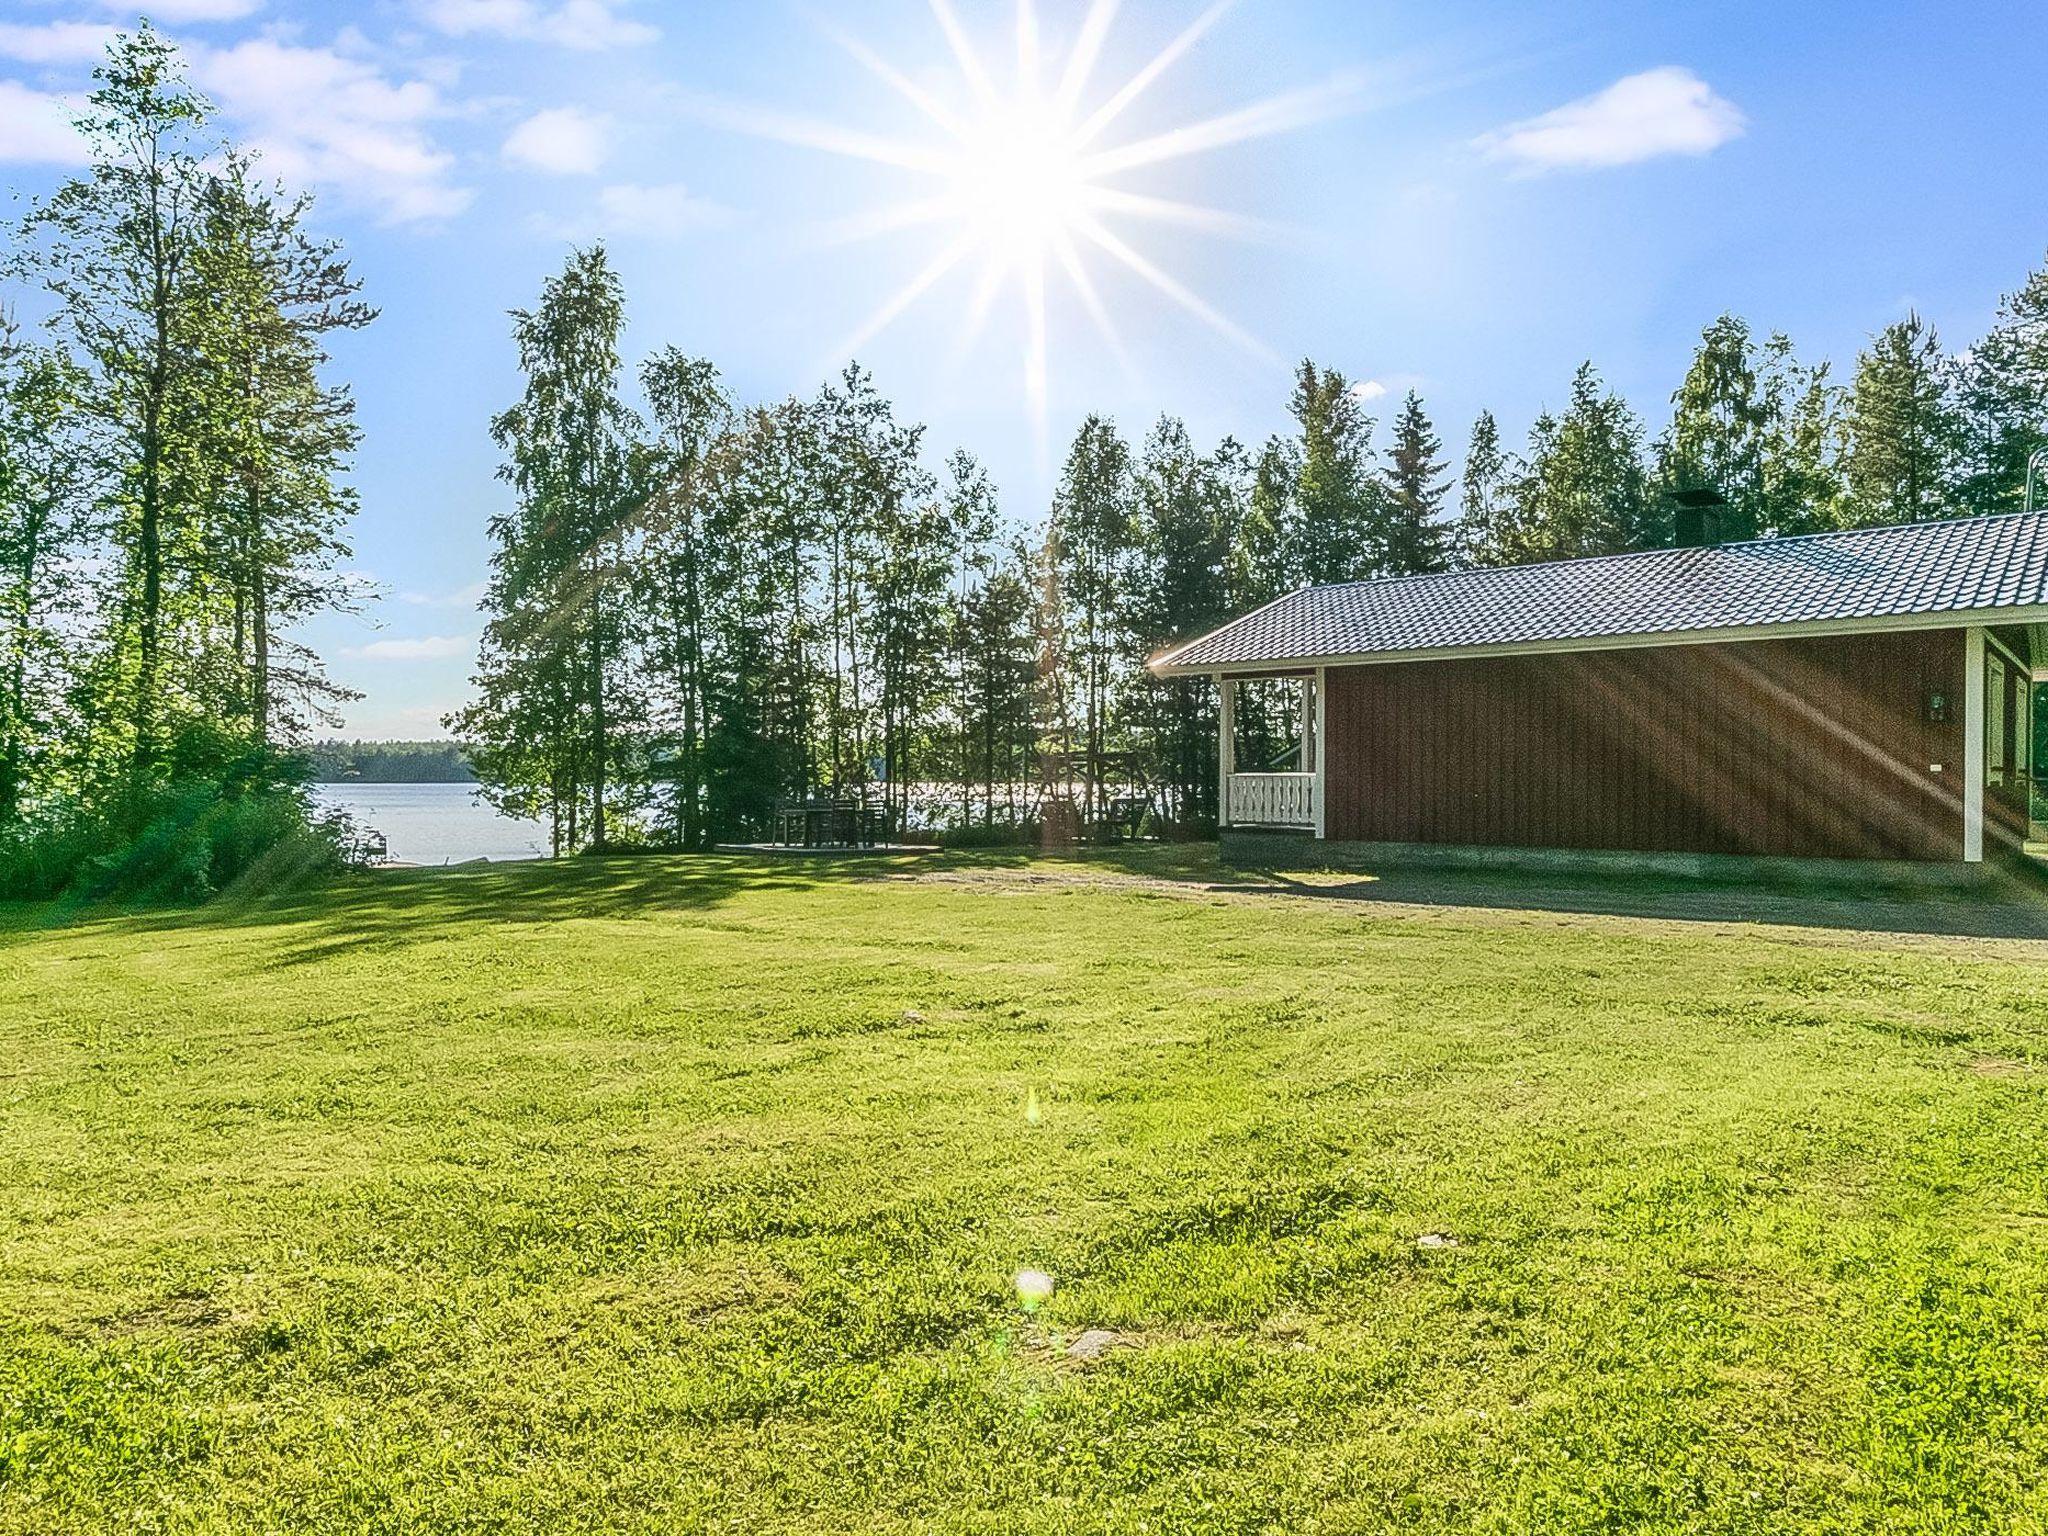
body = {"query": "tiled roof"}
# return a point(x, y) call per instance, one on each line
point(1962, 566)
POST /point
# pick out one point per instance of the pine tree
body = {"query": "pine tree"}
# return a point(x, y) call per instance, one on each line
point(1903, 434)
point(1418, 541)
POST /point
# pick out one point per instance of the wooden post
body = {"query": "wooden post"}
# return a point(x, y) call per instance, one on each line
point(1321, 758)
point(1226, 748)
point(1973, 744)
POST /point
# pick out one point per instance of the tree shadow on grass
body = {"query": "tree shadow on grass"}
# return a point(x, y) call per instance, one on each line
point(2015, 909)
point(390, 907)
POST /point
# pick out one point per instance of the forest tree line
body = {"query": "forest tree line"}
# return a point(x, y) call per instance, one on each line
point(388, 762)
point(700, 608)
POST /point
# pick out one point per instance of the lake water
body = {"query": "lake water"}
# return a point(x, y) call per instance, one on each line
point(435, 823)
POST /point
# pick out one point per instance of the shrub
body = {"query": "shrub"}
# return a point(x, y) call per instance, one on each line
point(221, 813)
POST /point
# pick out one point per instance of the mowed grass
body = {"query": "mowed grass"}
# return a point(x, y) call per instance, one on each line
point(678, 1195)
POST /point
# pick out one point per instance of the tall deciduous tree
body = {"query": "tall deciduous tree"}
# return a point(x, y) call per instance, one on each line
point(113, 249)
point(1584, 490)
point(42, 537)
point(1179, 587)
point(1489, 532)
point(558, 693)
point(1000, 647)
point(275, 442)
point(681, 557)
point(1092, 530)
point(1801, 451)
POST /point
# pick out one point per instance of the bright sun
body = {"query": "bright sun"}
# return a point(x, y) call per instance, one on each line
point(1021, 178)
point(1022, 182)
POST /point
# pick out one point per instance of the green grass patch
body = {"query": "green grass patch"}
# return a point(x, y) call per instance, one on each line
point(669, 1195)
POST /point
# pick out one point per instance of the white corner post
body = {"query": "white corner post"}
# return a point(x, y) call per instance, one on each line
point(1322, 758)
point(1226, 745)
point(1973, 744)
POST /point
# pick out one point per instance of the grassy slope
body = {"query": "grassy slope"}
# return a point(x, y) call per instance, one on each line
point(678, 1195)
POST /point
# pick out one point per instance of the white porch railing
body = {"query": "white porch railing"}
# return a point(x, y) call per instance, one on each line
point(1272, 800)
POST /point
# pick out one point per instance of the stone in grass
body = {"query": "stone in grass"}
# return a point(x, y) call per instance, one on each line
point(1092, 1345)
point(1436, 1240)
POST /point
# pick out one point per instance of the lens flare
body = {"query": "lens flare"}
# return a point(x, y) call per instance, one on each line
point(1034, 1288)
point(1019, 178)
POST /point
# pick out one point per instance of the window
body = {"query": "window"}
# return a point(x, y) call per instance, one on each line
point(2022, 745)
point(1995, 717)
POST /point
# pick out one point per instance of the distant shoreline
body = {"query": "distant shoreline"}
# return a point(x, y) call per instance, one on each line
point(463, 783)
point(389, 762)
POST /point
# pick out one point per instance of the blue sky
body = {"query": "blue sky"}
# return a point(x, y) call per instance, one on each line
point(1467, 198)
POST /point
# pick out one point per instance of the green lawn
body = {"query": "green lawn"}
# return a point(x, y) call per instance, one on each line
point(676, 1195)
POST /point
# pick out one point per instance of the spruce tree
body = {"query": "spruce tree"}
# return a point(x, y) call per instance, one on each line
point(1340, 508)
point(1721, 419)
point(2001, 402)
point(1903, 433)
point(1417, 539)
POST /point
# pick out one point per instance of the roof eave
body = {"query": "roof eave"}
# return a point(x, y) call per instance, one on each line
point(1168, 664)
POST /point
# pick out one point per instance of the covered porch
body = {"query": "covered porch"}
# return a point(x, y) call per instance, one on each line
point(1270, 751)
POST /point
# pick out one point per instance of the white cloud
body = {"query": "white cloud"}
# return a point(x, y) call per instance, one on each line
point(664, 211)
point(37, 128)
point(1667, 111)
point(562, 141)
point(422, 648)
point(55, 42)
point(580, 24)
point(320, 119)
point(461, 597)
point(172, 12)
point(1368, 389)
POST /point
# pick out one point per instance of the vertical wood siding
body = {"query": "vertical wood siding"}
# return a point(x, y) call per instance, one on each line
point(1812, 748)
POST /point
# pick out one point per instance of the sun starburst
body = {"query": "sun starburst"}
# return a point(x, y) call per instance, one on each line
point(1022, 177)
